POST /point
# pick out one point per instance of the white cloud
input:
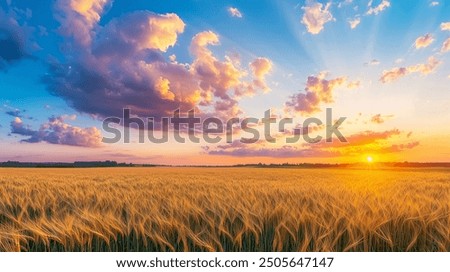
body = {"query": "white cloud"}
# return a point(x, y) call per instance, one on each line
point(354, 23)
point(234, 12)
point(316, 16)
point(377, 9)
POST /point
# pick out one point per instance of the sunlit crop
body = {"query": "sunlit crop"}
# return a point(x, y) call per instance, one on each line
point(224, 209)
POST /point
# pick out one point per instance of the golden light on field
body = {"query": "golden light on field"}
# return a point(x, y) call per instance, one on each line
point(226, 209)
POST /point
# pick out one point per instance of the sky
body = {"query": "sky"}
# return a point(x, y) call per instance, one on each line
point(381, 65)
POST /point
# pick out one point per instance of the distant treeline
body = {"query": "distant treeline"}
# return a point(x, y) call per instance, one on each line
point(87, 164)
point(78, 164)
point(292, 165)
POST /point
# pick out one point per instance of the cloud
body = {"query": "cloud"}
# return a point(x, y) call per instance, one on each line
point(379, 119)
point(360, 139)
point(434, 4)
point(56, 131)
point(377, 9)
point(139, 31)
point(344, 3)
point(445, 26)
point(260, 68)
point(424, 41)
point(15, 113)
point(123, 65)
point(393, 74)
point(162, 86)
point(234, 12)
point(399, 147)
point(363, 142)
point(354, 22)
point(215, 77)
point(423, 68)
point(318, 90)
point(286, 151)
point(373, 62)
point(446, 46)
point(78, 18)
point(15, 39)
point(222, 82)
point(316, 16)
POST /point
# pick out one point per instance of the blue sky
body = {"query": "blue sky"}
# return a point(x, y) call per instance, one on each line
point(382, 64)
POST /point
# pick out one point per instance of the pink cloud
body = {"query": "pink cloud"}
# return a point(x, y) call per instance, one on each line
point(234, 12)
point(318, 91)
point(423, 68)
point(79, 18)
point(56, 131)
point(446, 46)
point(123, 64)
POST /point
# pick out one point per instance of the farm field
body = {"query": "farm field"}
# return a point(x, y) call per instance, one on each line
point(224, 209)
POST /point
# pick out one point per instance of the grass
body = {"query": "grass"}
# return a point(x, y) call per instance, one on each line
point(224, 209)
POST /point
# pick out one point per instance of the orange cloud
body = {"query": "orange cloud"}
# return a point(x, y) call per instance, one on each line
point(162, 31)
point(423, 68)
point(316, 16)
point(424, 41)
point(261, 67)
point(445, 26)
point(360, 139)
point(162, 86)
point(219, 78)
point(379, 119)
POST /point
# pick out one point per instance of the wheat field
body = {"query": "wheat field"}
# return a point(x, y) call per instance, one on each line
point(224, 209)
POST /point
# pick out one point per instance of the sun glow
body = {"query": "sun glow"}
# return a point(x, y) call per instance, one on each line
point(369, 159)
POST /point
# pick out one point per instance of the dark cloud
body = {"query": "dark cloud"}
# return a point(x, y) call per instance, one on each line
point(56, 131)
point(15, 113)
point(15, 41)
